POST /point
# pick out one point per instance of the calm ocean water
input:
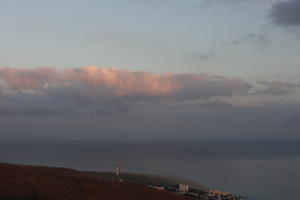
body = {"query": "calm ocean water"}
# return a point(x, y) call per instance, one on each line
point(259, 170)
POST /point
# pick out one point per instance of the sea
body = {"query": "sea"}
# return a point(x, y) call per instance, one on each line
point(255, 169)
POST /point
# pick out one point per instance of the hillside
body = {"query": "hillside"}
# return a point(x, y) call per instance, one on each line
point(146, 179)
point(19, 182)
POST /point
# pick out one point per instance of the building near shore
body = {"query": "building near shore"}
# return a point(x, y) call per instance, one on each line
point(183, 188)
point(218, 192)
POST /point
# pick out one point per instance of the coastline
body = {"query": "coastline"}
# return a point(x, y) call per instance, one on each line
point(43, 183)
point(176, 185)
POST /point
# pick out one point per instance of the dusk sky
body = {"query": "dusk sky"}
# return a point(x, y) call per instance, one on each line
point(126, 70)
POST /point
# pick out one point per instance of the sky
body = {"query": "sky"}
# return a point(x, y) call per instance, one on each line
point(131, 70)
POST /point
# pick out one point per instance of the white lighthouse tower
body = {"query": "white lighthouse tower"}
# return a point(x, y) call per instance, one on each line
point(118, 171)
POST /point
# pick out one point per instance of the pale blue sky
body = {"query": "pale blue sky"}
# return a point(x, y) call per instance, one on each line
point(223, 37)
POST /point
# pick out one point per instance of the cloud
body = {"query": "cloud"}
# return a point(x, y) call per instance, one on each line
point(292, 119)
point(196, 55)
point(217, 104)
point(209, 3)
point(286, 13)
point(277, 87)
point(262, 40)
point(103, 91)
point(203, 86)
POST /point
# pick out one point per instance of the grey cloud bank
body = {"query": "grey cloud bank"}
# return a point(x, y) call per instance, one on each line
point(160, 123)
point(278, 87)
point(286, 13)
point(104, 91)
point(93, 103)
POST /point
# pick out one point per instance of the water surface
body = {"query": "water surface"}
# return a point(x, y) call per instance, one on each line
point(258, 170)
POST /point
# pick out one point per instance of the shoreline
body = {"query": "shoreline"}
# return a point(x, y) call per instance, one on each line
point(177, 185)
point(42, 182)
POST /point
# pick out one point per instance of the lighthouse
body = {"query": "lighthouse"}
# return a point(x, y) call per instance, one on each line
point(118, 171)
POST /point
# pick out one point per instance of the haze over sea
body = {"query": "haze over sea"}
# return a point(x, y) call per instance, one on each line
point(258, 170)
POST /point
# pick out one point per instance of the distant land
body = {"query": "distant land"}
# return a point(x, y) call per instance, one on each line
point(24, 182)
point(146, 179)
point(21, 182)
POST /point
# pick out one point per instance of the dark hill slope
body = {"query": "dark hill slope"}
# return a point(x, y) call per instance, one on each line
point(18, 182)
point(148, 179)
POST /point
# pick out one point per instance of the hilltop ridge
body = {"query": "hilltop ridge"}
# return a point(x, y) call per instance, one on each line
point(22, 182)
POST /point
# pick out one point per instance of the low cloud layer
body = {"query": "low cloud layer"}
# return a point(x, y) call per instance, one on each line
point(286, 13)
point(103, 91)
point(107, 91)
point(277, 87)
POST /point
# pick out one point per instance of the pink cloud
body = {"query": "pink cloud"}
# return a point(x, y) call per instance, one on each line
point(122, 83)
point(91, 88)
